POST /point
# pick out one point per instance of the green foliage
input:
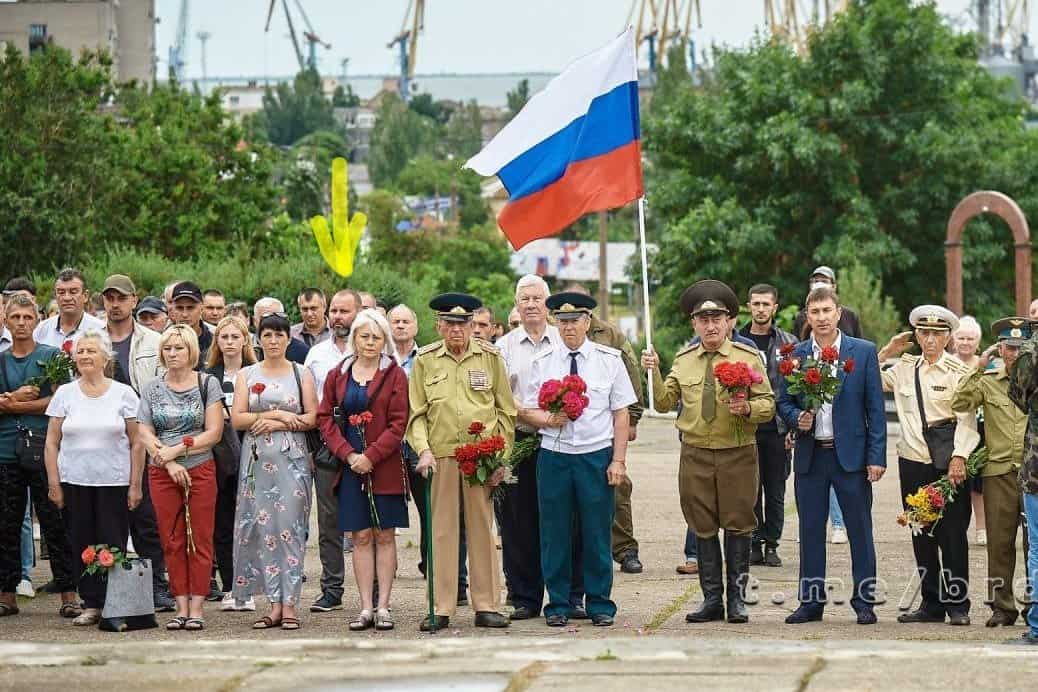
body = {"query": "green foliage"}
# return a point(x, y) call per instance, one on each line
point(857, 152)
point(464, 136)
point(399, 135)
point(518, 97)
point(428, 177)
point(497, 291)
point(863, 291)
point(345, 98)
point(291, 112)
point(438, 111)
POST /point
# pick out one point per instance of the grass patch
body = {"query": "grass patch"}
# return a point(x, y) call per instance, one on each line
point(93, 661)
point(674, 606)
point(607, 655)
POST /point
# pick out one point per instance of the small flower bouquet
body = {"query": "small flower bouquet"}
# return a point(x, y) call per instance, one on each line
point(59, 369)
point(816, 379)
point(484, 461)
point(360, 422)
point(736, 378)
point(926, 506)
point(101, 558)
point(567, 396)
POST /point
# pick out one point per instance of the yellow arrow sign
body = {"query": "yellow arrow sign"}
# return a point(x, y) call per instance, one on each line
point(339, 244)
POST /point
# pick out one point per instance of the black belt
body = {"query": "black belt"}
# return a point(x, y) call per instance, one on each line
point(825, 444)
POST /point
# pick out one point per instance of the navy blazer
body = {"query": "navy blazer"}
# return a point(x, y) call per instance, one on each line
point(859, 415)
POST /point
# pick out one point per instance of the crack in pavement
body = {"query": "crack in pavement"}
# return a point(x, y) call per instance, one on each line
point(666, 613)
point(817, 666)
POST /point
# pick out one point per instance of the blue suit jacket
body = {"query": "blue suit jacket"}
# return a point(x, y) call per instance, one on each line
point(859, 416)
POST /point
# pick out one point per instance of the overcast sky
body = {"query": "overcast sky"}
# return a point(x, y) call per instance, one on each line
point(460, 35)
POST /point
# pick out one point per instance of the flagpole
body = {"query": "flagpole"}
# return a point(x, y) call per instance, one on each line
point(650, 405)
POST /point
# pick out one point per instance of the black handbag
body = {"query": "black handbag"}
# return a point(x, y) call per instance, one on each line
point(226, 452)
point(940, 438)
point(28, 447)
point(319, 452)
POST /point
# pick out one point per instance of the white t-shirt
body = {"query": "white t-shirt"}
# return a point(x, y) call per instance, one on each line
point(95, 449)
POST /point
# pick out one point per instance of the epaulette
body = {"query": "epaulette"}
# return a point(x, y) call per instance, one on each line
point(429, 348)
point(748, 349)
point(688, 349)
point(991, 371)
point(487, 346)
point(956, 365)
point(607, 349)
point(909, 358)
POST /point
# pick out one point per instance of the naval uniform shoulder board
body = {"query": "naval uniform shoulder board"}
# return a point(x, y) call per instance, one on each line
point(607, 349)
point(990, 371)
point(956, 365)
point(909, 358)
point(429, 348)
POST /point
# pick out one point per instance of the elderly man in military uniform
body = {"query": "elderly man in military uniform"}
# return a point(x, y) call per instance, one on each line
point(455, 382)
point(943, 558)
point(718, 477)
point(1023, 390)
point(580, 460)
point(1004, 428)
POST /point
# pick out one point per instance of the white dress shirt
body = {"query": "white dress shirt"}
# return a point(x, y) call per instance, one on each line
point(609, 389)
point(321, 359)
point(5, 340)
point(824, 416)
point(49, 330)
point(518, 349)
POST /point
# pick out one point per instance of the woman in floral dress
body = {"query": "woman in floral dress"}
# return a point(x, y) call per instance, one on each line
point(274, 402)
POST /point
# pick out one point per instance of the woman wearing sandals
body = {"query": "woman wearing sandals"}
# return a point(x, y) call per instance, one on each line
point(94, 461)
point(372, 490)
point(275, 402)
point(181, 419)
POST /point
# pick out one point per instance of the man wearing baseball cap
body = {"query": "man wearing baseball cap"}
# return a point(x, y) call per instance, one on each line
point(186, 308)
point(849, 323)
point(151, 313)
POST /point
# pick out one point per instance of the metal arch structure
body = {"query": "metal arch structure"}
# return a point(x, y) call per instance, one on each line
point(987, 202)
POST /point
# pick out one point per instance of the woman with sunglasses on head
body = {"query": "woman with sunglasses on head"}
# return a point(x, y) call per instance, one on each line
point(233, 352)
point(274, 403)
point(181, 420)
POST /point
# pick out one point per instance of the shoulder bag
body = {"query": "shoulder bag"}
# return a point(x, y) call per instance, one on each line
point(322, 456)
point(940, 438)
point(226, 452)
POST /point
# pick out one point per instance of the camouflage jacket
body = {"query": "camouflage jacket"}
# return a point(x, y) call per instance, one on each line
point(1023, 391)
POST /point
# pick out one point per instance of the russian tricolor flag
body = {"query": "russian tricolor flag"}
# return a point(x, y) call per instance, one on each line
point(573, 149)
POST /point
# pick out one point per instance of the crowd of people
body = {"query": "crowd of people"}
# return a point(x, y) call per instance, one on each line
point(202, 434)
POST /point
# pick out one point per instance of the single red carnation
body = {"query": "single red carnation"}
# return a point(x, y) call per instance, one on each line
point(786, 349)
point(66, 346)
point(813, 376)
point(848, 366)
point(476, 428)
point(366, 417)
point(787, 367)
point(354, 420)
point(830, 354)
point(258, 388)
point(189, 442)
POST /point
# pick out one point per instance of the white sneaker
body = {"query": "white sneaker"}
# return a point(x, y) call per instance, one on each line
point(25, 590)
point(839, 536)
point(982, 536)
point(227, 604)
point(248, 606)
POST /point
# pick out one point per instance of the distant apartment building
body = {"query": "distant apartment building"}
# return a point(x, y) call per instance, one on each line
point(126, 28)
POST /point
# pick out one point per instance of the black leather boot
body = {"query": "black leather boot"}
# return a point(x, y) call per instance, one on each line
point(737, 566)
point(710, 581)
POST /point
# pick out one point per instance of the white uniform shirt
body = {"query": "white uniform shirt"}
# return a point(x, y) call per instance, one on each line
point(608, 388)
point(824, 417)
point(518, 349)
point(49, 330)
point(320, 361)
point(5, 340)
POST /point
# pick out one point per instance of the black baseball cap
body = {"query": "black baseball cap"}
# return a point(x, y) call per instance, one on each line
point(186, 289)
point(151, 304)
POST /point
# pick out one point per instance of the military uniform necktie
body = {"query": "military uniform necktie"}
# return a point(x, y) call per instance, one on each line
point(573, 362)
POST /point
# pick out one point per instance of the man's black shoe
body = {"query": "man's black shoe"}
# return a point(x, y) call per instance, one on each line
point(523, 613)
point(706, 613)
point(756, 555)
point(164, 602)
point(487, 618)
point(602, 620)
point(866, 616)
point(214, 592)
point(49, 587)
point(1001, 617)
point(1027, 638)
point(959, 619)
point(463, 599)
point(805, 613)
point(630, 564)
point(326, 604)
point(440, 622)
point(578, 613)
point(919, 616)
point(771, 558)
point(556, 620)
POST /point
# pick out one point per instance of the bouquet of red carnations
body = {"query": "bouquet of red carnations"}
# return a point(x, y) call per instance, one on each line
point(736, 378)
point(484, 461)
point(815, 379)
point(567, 396)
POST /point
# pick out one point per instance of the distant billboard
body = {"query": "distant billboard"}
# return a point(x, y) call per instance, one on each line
point(573, 260)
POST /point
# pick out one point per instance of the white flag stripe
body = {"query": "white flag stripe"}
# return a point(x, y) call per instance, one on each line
point(566, 98)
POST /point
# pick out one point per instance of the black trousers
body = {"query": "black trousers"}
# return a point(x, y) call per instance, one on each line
point(144, 530)
point(14, 481)
point(773, 462)
point(417, 485)
point(95, 514)
point(223, 528)
point(943, 558)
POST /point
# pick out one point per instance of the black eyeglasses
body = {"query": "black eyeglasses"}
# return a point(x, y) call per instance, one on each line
point(273, 314)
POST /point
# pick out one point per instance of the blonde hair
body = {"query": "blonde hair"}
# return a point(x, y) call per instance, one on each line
point(185, 334)
point(372, 318)
point(248, 353)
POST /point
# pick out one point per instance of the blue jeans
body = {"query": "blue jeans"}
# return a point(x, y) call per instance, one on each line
point(27, 545)
point(835, 513)
point(691, 552)
point(1031, 510)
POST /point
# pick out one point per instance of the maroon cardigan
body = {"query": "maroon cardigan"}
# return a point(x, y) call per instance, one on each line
point(388, 405)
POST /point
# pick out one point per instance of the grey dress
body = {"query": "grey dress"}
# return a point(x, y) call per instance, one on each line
point(273, 511)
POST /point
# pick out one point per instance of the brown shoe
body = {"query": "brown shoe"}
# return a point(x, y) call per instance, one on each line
point(688, 568)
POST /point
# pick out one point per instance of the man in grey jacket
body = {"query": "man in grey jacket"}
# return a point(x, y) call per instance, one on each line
point(772, 456)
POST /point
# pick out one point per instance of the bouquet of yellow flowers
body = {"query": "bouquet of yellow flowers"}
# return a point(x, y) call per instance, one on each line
point(926, 505)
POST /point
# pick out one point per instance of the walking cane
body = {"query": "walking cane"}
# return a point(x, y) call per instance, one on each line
point(429, 553)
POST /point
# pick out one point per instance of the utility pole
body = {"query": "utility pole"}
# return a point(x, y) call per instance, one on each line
point(203, 37)
point(603, 265)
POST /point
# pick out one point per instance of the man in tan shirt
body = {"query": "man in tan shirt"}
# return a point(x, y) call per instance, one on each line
point(943, 558)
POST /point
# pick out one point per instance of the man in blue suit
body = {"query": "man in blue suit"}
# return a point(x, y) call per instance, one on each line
point(842, 445)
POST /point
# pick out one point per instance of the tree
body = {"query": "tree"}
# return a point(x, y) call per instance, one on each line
point(345, 98)
point(429, 177)
point(438, 111)
point(399, 135)
point(291, 112)
point(465, 132)
point(857, 152)
point(518, 97)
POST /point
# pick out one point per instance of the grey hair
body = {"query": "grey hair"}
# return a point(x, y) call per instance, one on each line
point(267, 303)
point(969, 323)
point(531, 280)
point(102, 339)
point(374, 318)
point(402, 306)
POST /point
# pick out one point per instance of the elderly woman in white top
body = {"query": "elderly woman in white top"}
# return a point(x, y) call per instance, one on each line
point(964, 344)
point(94, 459)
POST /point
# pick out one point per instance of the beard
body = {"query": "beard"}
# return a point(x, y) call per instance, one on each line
point(341, 332)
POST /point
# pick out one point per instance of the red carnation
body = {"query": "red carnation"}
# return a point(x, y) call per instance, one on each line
point(786, 349)
point(189, 442)
point(354, 420)
point(468, 467)
point(88, 555)
point(67, 346)
point(830, 354)
point(366, 417)
point(258, 388)
point(813, 376)
point(786, 367)
point(848, 366)
point(476, 428)
point(574, 383)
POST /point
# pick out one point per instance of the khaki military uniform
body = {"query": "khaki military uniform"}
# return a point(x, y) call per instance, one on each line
point(1005, 426)
point(718, 477)
point(604, 333)
point(447, 394)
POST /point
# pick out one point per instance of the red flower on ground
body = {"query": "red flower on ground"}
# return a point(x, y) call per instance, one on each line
point(89, 555)
point(813, 376)
point(786, 367)
point(848, 366)
point(258, 388)
point(786, 349)
point(189, 442)
point(106, 558)
point(830, 354)
point(476, 428)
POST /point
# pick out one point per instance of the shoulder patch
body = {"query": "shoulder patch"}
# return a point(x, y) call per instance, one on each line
point(487, 346)
point(991, 371)
point(747, 349)
point(429, 348)
point(688, 349)
point(607, 349)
